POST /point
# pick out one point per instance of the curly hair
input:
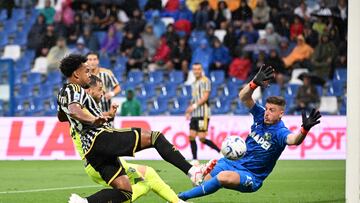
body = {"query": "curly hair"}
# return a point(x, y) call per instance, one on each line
point(71, 63)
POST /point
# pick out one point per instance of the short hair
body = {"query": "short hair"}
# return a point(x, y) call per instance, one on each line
point(92, 53)
point(71, 63)
point(94, 80)
point(277, 100)
point(197, 64)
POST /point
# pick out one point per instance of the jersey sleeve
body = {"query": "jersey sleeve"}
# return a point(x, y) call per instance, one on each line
point(112, 79)
point(258, 112)
point(282, 136)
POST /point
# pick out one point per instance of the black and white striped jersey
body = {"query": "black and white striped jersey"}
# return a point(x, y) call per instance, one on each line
point(73, 93)
point(109, 83)
point(198, 88)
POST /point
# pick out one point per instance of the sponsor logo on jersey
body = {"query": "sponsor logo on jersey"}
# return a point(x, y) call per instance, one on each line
point(262, 141)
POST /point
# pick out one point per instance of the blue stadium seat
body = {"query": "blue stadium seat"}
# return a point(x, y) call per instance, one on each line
point(168, 91)
point(195, 39)
point(272, 90)
point(21, 39)
point(44, 92)
point(176, 77)
point(19, 107)
point(143, 106)
point(18, 14)
point(319, 90)
point(29, 54)
point(159, 107)
point(217, 77)
point(50, 107)
point(336, 88)
point(120, 64)
point(54, 77)
point(234, 82)
point(340, 74)
point(3, 39)
point(142, 4)
point(229, 93)
point(24, 91)
point(222, 106)
point(147, 91)
point(11, 27)
point(214, 90)
point(38, 107)
point(291, 90)
point(100, 35)
point(186, 91)
point(156, 77)
point(342, 109)
point(3, 14)
point(1, 108)
point(180, 106)
point(22, 66)
point(105, 62)
point(135, 77)
point(35, 78)
point(290, 102)
point(241, 109)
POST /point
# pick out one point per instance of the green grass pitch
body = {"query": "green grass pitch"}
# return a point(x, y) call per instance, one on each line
point(54, 181)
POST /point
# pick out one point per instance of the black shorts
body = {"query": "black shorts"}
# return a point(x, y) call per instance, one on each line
point(108, 146)
point(199, 124)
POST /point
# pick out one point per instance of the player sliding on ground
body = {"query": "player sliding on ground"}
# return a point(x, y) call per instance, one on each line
point(103, 145)
point(267, 140)
point(142, 178)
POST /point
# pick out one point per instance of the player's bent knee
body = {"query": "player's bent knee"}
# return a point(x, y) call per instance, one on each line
point(145, 138)
point(121, 182)
point(228, 178)
point(202, 139)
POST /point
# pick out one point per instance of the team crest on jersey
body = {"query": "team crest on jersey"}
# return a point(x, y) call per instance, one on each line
point(76, 96)
point(132, 170)
point(267, 136)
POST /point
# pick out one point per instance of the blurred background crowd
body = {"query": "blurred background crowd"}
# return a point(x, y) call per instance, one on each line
point(150, 45)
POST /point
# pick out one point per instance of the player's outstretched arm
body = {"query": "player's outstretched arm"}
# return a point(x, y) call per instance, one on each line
point(260, 79)
point(307, 124)
point(84, 116)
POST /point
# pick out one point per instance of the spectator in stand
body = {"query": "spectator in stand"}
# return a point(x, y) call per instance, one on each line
point(86, 13)
point(203, 55)
point(341, 10)
point(172, 38)
point(210, 32)
point(66, 14)
point(153, 5)
point(137, 56)
point(277, 63)
point(260, 60)
point(184, 13)
point(136, 23)
point(48, 40)
point(172, 6)
point(283, 27)
point(180, 56)
point(158, 25)
point(272, 37)
point(261, 14)
point(101, 19)
point(80, 47)
point(311, 37)
point(49, 12)
point(285, 48)
point(241, 44)
point(301, 52)
point(307, 96)
point(203, 15)
point(57, 53)
point(111, 42)
point(222, 15)
point(319, 26)
point(230, 40)
point(341, 59)
point(220, 57)
point(251, 34)
point(130, 107)
point(128, 43)
point(76, 30)
point(8, 5)
point(36, 32)
point(323, 57)
point(90, 40)
point(243, 13)
point(303, 11)
point(240, 66)
point(162, 54)
point(296, 28)
point(150, 40)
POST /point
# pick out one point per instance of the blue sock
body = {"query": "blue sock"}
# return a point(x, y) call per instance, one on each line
point(206, 188)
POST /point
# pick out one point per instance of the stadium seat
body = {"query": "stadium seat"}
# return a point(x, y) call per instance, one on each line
point(340, 74)
point(34, 78)
point(176, 77)
point(214, 90)
point(241, 109)
point(18, 14)
point(43, 92)
point(156, 77)
point(234, 82)
point(11, 27)
point(3, 15)
point(222, 106)
point(21, 39)
point(105, 62)
point(168, 91)
point(195, 38)
point(186, 91)
point(135, 77)
point(12, 51)
point(291, 90)
point(54, 77)
point(24, 91)
point(159, 107)
point(319, 89)
point(100, 35)
point(179, 107)
point(272, 90)
point(336, 88)
point(229, 93)
point(217, 77)
point(167, 20)
point(328, 105)
point(147, 91)
point(342, 110)
point(142, 4)
point(50, 107)
point(1, 108)
point(120, 64)
point(3, 39)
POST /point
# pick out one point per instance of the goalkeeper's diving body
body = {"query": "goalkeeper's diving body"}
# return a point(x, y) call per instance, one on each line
point(265, 143)
point(142, 178)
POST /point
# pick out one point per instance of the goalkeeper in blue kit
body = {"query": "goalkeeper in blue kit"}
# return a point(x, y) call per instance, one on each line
point(265, 143)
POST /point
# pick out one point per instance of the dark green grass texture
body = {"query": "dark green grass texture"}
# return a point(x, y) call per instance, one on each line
point(290, 181)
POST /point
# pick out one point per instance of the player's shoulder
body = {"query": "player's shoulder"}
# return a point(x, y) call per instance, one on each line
point(204, 79)
point(74, 87)
point(106, 71)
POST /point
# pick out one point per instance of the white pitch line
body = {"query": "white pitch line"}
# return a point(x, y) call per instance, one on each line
point(48, 189)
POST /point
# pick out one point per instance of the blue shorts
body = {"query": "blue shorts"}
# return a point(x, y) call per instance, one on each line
point(248, 181)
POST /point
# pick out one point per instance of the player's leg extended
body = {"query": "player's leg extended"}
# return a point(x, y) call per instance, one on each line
point(158, 186)
point(227, 179)
point(203, 131)
point(193, 145)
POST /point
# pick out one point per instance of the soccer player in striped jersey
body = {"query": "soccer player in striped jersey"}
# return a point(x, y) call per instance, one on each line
point(142, 178)
point(110, 83)
point(101, 144)
point(200, 111)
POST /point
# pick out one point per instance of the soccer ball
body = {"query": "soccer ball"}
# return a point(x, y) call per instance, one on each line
point(233, 147)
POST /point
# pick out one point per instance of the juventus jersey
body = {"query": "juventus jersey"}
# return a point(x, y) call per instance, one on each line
point(73, 93)
point(198, 88)
point(109, 81)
